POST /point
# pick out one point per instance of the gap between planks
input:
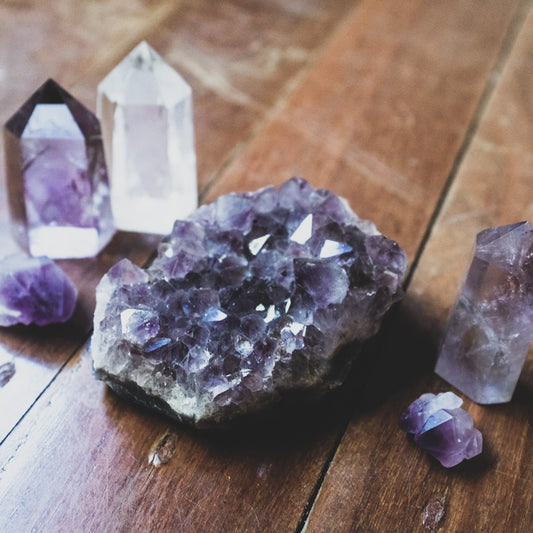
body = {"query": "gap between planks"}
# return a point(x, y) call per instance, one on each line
point(163, 13)
point(492, 82)
point(493, 79)
point(290, 86)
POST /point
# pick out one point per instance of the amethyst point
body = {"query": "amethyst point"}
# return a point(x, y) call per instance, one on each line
point(490, 327)
point(442, 428)
point(56, 176)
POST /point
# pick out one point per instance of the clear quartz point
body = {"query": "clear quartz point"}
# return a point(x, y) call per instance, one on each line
point(145, 108)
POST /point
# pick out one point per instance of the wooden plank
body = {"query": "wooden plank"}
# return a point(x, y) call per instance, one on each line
point(37, 42)
point(381, 117)
point(378, 479)
point(188, 35)
point(80, 457)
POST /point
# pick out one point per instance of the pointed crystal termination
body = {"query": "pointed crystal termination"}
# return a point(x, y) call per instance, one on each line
point(146, 112)
point(490, 327)
point(34, 290)
point(442, 428)
point(56, 176)
point(249, 300)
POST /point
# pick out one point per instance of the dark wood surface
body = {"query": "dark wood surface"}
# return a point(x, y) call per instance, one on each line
point(420, 113)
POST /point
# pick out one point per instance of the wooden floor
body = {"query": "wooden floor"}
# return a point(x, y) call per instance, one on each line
point(420, 113)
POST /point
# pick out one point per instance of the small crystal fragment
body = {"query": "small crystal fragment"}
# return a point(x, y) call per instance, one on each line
point(34, 290)
point(7, 367)
point(146, 112)
point(490, 327)
point(247, 301)
point(442, 428)
point(56, 176)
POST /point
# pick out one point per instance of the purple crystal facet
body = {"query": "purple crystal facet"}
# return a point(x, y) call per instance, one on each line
point(442, 428)
point(491, 325)
point(250, 297)
point(56, 176)
point(34, 290)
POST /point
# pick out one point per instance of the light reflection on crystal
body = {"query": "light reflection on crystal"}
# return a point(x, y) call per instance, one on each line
point(249, 323)
point(271, 314)
point(139, 325)
point(255, 245)
point(304, 231)
point(334, 248)
point(214, 315)
point(155, 345)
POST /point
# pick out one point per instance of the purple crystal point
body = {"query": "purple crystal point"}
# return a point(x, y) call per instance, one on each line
point(250, 297)
point(34, 290)
point(491, 325)
point(420, 410)
point(442, 428)
point(56, 176)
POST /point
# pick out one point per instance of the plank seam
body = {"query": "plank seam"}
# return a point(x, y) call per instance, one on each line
point(493, 78)
point(507, 46)
point(290, 86)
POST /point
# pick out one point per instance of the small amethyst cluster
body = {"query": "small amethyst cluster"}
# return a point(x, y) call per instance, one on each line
point(250, 297)
point(34, 290)
point(442, 428)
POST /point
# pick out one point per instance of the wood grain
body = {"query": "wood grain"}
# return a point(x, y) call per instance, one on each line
point(374, 102)
point(375, 484)
point(188, 34)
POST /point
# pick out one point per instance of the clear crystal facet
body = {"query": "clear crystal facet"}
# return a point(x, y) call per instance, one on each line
point(146, 112)
point(56, 176)
point(491, 325)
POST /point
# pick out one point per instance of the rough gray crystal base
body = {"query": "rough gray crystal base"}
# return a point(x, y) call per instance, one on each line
point(249, 299)
point(491, 325)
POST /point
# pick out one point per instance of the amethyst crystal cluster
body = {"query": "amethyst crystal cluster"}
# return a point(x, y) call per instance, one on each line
point(250, 297)
point(491, 325)
point(34, 290)
point(442, 428)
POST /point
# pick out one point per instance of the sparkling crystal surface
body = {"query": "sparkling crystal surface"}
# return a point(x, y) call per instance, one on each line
point(146, 112)
point(490, 328)
point(249, 298)
point(56, 176)
point(442, 428)
point(34, 290)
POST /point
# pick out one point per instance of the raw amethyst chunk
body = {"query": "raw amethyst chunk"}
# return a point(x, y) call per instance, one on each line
point(34, 290)
point(442, 428)
point(249, 298)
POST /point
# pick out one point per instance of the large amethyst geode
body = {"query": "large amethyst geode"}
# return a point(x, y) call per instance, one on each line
point(248, 299)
